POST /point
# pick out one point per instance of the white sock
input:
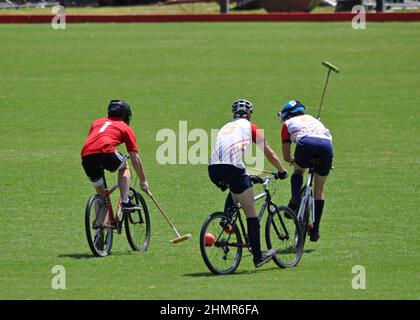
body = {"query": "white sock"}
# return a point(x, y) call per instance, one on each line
point(126, 200)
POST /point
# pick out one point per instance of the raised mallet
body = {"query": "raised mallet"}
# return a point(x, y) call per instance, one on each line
point(329, 67)
point(179, 238)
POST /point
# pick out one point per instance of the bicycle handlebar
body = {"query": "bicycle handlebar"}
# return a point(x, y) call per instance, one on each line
point(266, 179)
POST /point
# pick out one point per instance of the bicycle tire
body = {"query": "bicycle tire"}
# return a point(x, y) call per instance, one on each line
point(211, 253)
point(306, 214)
point(285, 236)
point(100, 241)
point(137, 223)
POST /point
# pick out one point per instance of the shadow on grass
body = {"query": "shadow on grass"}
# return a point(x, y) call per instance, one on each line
point(242, 272)
point(77, 256)
point(81, 256)
point(236, 273)
point(308, 250)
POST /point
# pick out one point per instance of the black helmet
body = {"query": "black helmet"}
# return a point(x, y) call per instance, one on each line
point(242, 107)
point(119, 109)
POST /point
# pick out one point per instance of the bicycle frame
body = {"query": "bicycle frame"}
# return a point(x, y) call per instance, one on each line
point(307, 197)
point(110, 217)
point(266, 205)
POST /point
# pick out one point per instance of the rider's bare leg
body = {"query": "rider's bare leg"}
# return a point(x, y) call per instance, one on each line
point(100, 190)
point(124, 178)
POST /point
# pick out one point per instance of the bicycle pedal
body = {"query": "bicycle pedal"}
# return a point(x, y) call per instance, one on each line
point(229, 230)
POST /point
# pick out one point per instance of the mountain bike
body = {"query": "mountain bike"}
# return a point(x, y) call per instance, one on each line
point(306, 211)
point(100, 222)
point(224, 236)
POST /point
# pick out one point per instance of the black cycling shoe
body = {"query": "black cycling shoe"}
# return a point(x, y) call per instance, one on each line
point(129, 206)
point(266, 257)
point(314, 235)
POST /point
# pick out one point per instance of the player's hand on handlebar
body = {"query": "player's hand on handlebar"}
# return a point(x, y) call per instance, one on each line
point(256, 179)
point(281, 175)
point(144, 185)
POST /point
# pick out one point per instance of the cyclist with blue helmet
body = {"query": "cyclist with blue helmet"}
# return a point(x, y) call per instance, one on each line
point(313, 142)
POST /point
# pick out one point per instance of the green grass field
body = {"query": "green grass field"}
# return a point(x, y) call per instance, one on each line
point(54, 83)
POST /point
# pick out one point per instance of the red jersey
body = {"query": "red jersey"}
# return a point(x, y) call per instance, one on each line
point(106, 134)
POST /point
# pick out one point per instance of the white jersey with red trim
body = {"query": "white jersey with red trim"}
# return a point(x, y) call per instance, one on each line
point(233, 141)
point(298, 127)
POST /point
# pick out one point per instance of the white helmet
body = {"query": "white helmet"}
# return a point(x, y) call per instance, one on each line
point(242, 107)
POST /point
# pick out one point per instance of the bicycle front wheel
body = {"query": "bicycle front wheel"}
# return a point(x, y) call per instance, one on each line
point(137, 223)
point(220, 244)
point(98, 232)
point(285, 236)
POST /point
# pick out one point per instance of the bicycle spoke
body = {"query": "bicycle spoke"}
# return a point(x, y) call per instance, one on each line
point(137, 224)
point(278, 230)
point(98, 235)
point(224, 254)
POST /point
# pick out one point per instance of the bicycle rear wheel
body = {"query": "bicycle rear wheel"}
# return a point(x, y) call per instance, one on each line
point(285, 236)
point(98, 234)
point(307, 205)
point(137, 223)
point(220, 244)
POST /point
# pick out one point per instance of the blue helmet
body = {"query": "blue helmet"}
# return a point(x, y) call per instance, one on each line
point(291, 108)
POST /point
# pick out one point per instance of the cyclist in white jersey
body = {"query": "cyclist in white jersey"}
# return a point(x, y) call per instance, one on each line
point(313, 142)
point(227, 170)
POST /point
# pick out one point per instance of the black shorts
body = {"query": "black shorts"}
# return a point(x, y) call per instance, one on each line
point(311, 148)
point(226, 175)
point(95, 164)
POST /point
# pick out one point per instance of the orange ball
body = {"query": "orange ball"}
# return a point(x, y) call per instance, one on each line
point(209, 239)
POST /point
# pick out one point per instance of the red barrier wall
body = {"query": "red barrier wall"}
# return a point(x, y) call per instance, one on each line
point(269, 17)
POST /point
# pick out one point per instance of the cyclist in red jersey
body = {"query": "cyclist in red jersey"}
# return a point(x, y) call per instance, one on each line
point(99, 151)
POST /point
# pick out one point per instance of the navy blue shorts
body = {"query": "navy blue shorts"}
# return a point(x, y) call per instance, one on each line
point(226, 175)
point(310, 148)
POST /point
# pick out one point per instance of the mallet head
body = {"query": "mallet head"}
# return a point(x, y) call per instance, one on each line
point(181, 238)
point(330, 66)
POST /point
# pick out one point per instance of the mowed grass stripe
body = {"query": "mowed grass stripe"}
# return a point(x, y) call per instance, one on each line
point(53, 84)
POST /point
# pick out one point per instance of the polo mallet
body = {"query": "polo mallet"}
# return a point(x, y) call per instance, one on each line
point(336, 70)
point(179, 237)
point(259, 170)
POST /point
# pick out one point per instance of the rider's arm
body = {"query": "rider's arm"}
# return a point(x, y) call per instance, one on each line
point(131, 144)
point(138, 167)
point(286, 144)
point(287, 155)
point(271, 155)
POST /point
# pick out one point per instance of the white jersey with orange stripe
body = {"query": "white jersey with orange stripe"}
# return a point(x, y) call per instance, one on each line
point(298, 127)
point(232, 142)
